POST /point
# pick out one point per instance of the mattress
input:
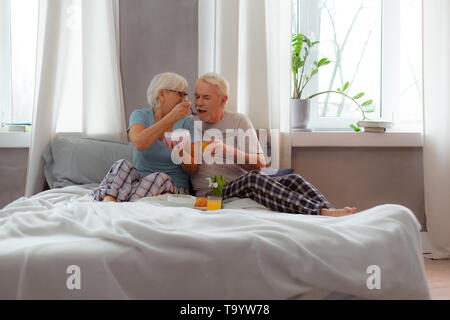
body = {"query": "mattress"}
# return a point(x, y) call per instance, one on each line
point(60, 244)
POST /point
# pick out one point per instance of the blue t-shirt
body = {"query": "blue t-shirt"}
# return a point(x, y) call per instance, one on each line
point(157, 158)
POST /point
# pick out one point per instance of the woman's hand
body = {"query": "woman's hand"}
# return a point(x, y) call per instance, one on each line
point(180, 111)
point(170, 144)
point(182, 154)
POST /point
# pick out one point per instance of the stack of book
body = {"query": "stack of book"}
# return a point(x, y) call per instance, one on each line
point(374, 126)
point(18, 127)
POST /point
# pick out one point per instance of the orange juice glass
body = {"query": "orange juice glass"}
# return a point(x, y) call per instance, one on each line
point(204, 145)
point(214, 203)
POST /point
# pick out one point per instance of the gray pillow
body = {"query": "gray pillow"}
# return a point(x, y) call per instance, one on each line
point(76, 161)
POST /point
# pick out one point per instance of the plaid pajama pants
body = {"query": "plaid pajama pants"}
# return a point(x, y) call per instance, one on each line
point(290, 194)
point(124, 183)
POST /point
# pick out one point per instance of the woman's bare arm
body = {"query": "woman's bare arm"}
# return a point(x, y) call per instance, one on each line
point(143, 138)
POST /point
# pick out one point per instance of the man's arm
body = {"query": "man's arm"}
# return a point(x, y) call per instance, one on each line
point(252, 161)
point(247, 161)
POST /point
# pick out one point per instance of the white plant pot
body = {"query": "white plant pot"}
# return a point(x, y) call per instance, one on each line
point(300, 112)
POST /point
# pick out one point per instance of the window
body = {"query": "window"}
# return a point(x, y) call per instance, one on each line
point(375, 45)
point(5, 63)
point(18, 37)
point(18, 52)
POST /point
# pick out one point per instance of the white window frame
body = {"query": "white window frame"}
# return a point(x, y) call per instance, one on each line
point(8, 139)
point(17, 46)
point(5, 62)
point(390, 71)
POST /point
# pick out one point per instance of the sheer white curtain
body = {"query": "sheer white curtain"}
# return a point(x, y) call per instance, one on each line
point(248, 42)
point(436, 151)
point(104, 114)
point(78, 81)
point(278, 33)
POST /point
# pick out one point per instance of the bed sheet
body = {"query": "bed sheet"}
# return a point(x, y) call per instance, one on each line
point(147, 250)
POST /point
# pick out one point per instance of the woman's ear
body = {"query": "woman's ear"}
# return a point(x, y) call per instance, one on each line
point(161, 96)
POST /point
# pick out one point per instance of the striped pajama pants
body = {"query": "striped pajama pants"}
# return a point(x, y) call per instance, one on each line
point(289, 194)
point(124, 183)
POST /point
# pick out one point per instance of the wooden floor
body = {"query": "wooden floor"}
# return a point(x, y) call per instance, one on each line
point(438, 275)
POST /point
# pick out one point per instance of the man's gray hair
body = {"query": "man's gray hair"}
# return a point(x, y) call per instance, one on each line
point(216, 79)
point(165, 81)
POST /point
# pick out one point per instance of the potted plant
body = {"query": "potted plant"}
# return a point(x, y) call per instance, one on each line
point(216, 184)
point(300, 107)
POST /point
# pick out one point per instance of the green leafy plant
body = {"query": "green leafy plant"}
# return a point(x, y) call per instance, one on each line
point(216, 184)
point(301, 50)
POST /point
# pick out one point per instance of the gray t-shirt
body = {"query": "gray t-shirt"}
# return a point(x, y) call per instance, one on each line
point(244, 140)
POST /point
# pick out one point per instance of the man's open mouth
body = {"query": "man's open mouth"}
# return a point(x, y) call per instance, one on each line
point(201, 111)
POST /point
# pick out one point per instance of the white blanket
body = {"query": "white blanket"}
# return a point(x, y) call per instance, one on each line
point(145, 250)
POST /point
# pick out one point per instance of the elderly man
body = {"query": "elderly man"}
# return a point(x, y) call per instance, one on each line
point(290, 194)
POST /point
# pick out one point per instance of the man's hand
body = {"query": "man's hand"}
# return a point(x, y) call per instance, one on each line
point(220, 149)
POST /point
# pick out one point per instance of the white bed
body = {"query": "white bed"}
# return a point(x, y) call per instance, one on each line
point(146, 250)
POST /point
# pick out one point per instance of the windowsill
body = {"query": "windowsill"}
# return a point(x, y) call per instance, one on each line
point(14, 139)
point(356, 139)
point(298, 139)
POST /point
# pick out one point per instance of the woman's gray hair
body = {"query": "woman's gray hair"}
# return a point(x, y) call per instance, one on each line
point(216, 79)
point(165, 81)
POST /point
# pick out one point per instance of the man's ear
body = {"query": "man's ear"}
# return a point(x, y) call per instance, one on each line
point(224, 100)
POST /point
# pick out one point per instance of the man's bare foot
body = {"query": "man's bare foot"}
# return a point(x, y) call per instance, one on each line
point(338, 212)
point(109, 199)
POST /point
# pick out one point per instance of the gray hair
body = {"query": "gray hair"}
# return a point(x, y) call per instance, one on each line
point(165, 81)
point(217, 80)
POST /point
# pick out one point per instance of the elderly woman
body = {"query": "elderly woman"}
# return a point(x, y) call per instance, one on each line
point(153, 172)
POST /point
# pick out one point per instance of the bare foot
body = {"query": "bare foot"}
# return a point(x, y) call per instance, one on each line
point(109, 199)
point(338, 212)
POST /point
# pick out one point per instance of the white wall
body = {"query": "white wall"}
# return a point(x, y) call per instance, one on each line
point(365, 177)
